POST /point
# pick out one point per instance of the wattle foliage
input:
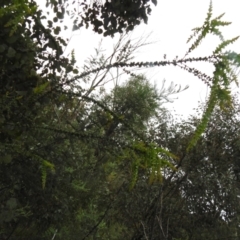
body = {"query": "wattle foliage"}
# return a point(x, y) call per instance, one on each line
point(81, 164)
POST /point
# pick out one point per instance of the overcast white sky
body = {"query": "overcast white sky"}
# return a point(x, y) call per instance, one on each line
point(170, 23)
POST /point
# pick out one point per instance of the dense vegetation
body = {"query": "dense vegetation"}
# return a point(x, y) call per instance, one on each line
point(80, 162)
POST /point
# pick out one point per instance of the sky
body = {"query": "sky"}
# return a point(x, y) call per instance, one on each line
point(170, 26)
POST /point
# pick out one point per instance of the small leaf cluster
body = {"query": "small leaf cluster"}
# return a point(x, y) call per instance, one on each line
point(106, 18)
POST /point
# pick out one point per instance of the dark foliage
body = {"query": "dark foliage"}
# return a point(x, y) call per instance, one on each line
point(81, 164)
point(107, 17)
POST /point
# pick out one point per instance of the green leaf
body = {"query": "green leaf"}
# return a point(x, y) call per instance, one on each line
point(75, 27)
point(11, 203)
point(224, 44)
point(57, 30)
point(11, 52)
point(75, 71)
point(48, 164)
point(154, 2)
point(44, 176)
point(60, 15)
point(45, 165)
point(50, 23)
point(6, 159)
point(40, 88)
point(3, 47)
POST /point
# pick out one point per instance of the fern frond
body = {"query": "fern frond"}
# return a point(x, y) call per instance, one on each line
point(224, 44)
point(40, 89)
point(48, 165)
point(195, 32)
point(218, 33)
point(224, 98)
point(152, 158)
point(205, 118)
point(220, 16)
point(209, 13)
point(215, 23)
point(156, 170)
point(209, 26)
point(221, 71)
point(201, 30)
point(44, 167)
point(43, 176)
point(220, 95)
point(135, 168)
point(197, 42)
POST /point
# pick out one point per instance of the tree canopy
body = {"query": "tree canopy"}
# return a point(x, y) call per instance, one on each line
point(107, 17)
point(80, 162)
